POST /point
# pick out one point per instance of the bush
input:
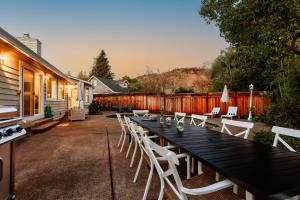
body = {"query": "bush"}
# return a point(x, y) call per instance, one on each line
point(95, 108)
point(267, 137)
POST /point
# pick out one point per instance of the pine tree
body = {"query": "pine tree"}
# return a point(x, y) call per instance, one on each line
point(102, 67)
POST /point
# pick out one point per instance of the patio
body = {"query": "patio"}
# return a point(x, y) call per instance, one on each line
point(77, 160)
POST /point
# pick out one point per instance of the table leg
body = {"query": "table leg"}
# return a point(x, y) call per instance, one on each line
point(249, 196)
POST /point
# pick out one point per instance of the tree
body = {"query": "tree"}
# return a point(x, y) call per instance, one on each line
point(102, 67)
point(83, 75)
point(133, 84)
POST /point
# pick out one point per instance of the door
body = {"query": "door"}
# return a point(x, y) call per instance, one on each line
point(28, 92)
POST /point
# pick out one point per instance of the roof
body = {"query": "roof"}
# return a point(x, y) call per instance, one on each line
point(73, 78)
point(27, 51)
point(112, 84)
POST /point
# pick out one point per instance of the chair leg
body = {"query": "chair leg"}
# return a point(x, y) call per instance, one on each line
point(120, 138)
point(148, 181)
point(129, 148)
point(235, 188)
point(133, 156)
point(124, 139)
point(249, 196)
point(193, 165)
point(188, 167)
point(139, 166)
point(162, 187)
point(217, 176)
point(200, 168)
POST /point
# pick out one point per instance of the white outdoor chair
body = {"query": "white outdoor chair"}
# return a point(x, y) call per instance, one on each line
point(198, 120)
point(247, 125)
point(178, 188)
point(215, 111)
point(123, 133)
point(284, 131)
point(179, 117)
point(232, 112)
point(140, 113)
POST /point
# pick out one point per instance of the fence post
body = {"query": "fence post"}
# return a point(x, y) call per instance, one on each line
point(207, 103)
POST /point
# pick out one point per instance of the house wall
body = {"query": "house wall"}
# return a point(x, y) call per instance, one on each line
point(100, 88)
point(11, 82)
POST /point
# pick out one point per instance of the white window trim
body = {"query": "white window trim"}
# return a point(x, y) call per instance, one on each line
point(57, 88)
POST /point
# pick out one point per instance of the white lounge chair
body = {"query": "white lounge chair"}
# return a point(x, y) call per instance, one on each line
point(284, 131)
point(232, 112)
point(140, 113)
point(215, 111)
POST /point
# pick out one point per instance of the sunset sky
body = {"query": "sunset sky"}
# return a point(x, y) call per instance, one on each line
point(162, 34)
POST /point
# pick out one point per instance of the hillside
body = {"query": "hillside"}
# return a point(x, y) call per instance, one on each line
point(196, 79)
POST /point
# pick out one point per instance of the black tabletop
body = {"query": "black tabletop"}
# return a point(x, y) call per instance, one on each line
point(265, 171)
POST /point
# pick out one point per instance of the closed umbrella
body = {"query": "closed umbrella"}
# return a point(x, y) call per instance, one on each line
point(79, 93)
point(225, 96)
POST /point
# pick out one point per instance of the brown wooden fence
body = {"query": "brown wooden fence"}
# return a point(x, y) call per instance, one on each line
point(188, 103)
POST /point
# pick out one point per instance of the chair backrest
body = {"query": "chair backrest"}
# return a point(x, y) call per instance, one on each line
point(153, 150)
point(198, 120)
point(215, 111)
point(119, 117)
point(232, 110)
point(284, 131)
point(247, 125)
point(140, 113)
point(179, 117)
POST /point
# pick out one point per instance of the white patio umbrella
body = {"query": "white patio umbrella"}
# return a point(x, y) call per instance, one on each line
point(79, 93)
point(225, 95)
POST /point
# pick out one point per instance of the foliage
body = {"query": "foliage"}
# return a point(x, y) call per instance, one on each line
point(83, 75)
point(95, 108)
point(133, 84)
point(48, 111)
point(102, 67)
point(267, 137)
point(184, 90)
point(264, 38)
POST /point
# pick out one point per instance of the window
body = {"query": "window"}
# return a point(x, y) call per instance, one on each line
point(51, 88)
point(87, 95)
point(61, 91)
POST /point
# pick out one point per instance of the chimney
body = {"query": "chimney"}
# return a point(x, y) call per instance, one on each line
point(32, 43)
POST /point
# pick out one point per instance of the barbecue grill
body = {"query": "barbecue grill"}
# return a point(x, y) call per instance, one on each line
point(10, 131)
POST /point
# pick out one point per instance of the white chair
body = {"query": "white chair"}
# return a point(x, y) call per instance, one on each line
point(232, 112)
point(179, 117)
point(247, 125)
point(198, 120)
point(123, 133)
point(215, 111)
point(284, 131)
point(178, 188)
point(140, 113)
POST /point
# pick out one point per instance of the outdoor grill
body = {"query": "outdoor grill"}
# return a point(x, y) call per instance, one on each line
point(10, 131)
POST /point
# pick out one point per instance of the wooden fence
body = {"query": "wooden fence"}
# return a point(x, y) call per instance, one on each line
point(189, 103)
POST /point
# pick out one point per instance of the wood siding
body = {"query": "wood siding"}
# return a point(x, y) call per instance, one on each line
point(188, 103)
point(59, 108)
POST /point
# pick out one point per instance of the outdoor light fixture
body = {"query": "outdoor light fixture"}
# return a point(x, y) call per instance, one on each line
point(251, 86)
point(2, 59)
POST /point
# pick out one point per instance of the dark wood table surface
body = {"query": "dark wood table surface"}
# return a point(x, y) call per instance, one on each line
point(264, 171)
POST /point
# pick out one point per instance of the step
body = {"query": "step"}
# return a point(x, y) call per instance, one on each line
point(39, 122)
point(44, 127)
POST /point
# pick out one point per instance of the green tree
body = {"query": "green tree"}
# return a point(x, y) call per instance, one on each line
point(83, 75)
point(102, 67)
point(133, 84)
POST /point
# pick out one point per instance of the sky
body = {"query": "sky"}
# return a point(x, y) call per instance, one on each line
point(160, 34)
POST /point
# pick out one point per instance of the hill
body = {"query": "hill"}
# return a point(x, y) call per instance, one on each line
point(176, 80)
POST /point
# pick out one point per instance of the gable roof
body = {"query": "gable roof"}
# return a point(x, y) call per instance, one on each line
point(113, 85)
point(5, 36)
point(75, 79)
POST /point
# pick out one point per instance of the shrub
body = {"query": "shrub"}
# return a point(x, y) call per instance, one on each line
point(267, 137)
point(95, 108)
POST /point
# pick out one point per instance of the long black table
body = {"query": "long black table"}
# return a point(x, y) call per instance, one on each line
point(264, 171)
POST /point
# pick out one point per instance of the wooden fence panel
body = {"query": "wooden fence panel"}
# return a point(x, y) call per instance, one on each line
point(188, 103)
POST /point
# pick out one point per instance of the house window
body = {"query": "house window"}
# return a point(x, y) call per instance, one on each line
point(87, 95)
point(51, 88)
point(61, 91)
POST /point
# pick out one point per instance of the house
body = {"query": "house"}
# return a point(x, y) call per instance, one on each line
point(86, 89)
point(28, 81)
point(107, 86)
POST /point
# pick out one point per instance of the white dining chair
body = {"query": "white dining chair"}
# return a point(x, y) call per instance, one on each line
point(179, 117)
point(140, 113)
point(198, 120)
point(178, 187)
point(247, 125)
point(287, 132)
point(123, 131)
